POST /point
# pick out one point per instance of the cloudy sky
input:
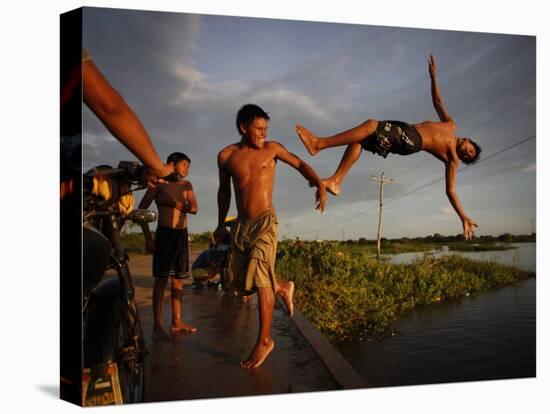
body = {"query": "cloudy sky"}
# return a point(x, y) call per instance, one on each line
point(186, 76)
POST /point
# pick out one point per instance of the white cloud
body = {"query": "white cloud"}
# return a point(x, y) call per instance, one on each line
point(294, 102)
point(193, 81)
point(196, 89)
point(96, 139)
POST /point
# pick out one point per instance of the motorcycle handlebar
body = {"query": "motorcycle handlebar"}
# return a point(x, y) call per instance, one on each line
point(131, 170)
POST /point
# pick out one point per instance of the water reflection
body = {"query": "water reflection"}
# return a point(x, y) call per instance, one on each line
point(481, 337)
point(522, 256)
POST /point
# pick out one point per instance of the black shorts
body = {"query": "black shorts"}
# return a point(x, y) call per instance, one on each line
point(393, 137)
point(171, 258)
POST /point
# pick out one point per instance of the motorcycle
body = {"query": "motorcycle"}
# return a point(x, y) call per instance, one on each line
point(113, 344)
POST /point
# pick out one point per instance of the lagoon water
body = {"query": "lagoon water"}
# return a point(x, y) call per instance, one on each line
point(480, 337)
point(522, 256)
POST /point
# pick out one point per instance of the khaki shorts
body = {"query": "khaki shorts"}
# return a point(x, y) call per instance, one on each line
point(253, 252)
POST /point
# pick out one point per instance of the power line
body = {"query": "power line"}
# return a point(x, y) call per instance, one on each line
point(440, 179)
point(473, 100)
point(421, 187)
point(463, 168)
point(340, 222)
point(502, 93)
point(501, 113)
point(473, 130)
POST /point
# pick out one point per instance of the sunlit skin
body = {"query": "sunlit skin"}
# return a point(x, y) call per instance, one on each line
point(438, 138)
point(174, 201)
point(251, 165)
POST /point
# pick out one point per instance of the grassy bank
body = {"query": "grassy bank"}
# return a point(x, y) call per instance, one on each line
point(347, 294)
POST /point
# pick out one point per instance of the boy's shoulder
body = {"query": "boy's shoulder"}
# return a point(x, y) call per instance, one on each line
point(273, 144)
point(230, 148)
point(226, 152)
point(275, 147)
point(184, 184)
point(175, 185)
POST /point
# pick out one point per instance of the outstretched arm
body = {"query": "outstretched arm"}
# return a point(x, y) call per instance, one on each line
point(118, 117)
point(307, 172)
point(224, 198)
point(467, 223)
point(436, 96)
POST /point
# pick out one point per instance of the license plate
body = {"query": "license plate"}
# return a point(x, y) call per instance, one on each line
point(101, 386)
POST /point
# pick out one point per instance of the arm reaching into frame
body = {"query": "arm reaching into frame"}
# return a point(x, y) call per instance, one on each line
point(109, 106)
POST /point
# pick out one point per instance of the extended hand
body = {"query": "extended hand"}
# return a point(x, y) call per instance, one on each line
point(156, 176)
point(320, 198)
point(431, 65)
point(468, 224)
point(166, 170)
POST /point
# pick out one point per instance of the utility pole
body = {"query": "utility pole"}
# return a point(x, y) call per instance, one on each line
point(382, 181)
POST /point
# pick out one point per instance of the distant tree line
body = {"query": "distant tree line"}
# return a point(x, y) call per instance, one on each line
point(438, 238)
point(135, 243)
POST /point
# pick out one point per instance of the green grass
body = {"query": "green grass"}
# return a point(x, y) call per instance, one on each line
point(348, 294)
point(134, 243)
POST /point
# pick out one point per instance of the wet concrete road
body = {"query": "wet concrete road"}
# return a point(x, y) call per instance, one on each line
point(206, 364)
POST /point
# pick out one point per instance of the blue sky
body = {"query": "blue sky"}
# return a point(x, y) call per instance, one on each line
point(187, 75)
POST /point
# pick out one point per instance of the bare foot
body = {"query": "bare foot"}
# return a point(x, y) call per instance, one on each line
point(183, 327)
point(259, 354)
point(332, 186)
point(287, 294)
point(160, 335)
point(308, 139)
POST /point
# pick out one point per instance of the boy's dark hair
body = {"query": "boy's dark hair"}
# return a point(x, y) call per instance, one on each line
point(176, 157)
point(248, 113)
point(476, 157)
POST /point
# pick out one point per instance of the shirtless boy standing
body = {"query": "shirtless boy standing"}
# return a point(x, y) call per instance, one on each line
point(250, 164)
point(170, 247)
